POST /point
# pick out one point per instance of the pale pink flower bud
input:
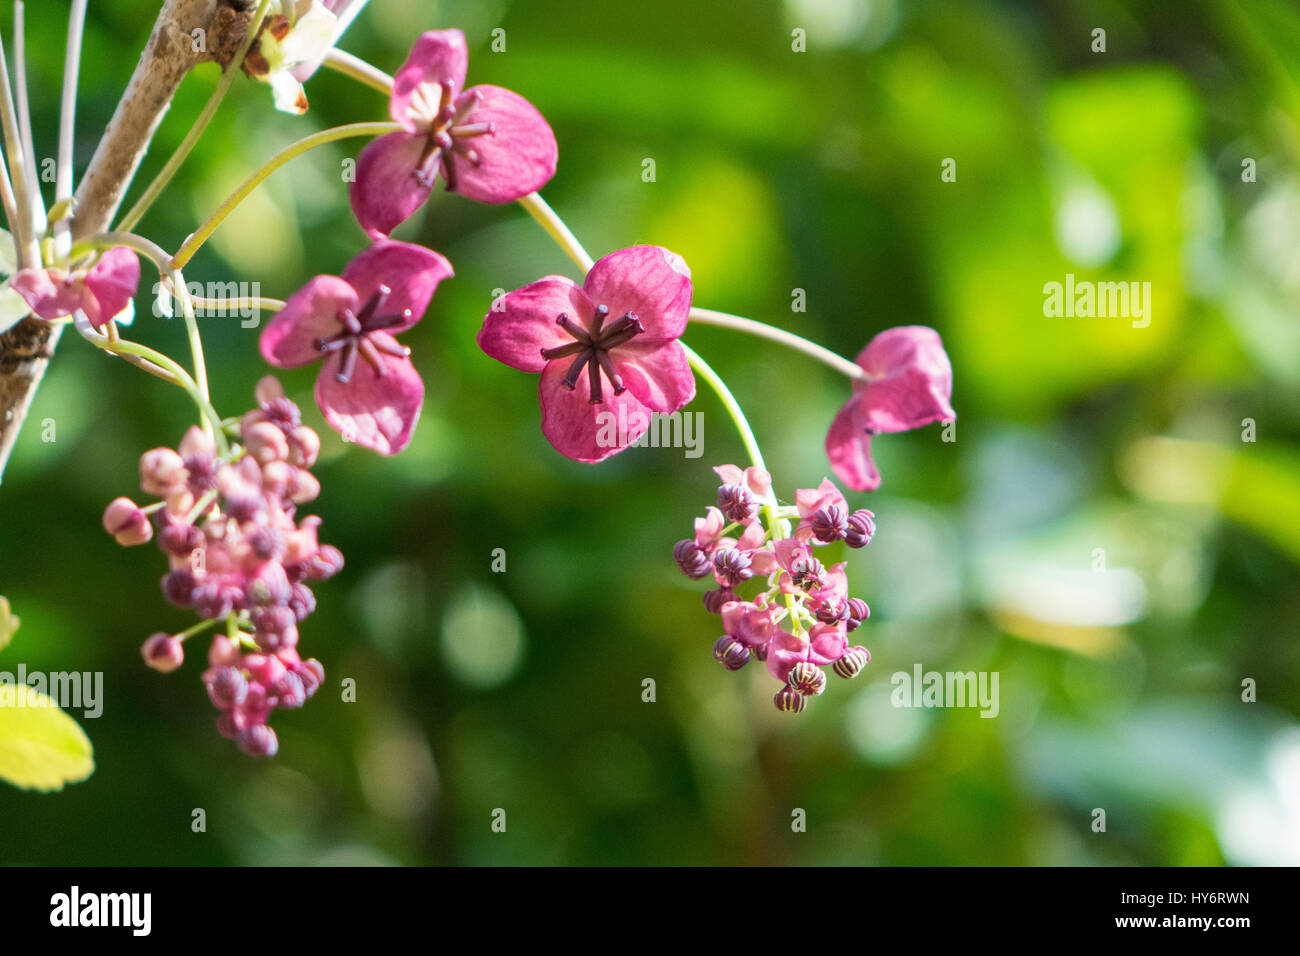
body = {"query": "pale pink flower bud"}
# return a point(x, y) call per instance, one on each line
point(197, 442)
point(304, 447)
point(161, 470)
point(265, 442)
point(303, 487)
point(163, 653)
point(124, 520)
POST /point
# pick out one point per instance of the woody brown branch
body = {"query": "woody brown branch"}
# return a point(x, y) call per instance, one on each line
point(185, 34)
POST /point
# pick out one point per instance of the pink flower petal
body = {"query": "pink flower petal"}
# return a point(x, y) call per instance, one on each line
point(50, 294)
point(110, 285)
point(650, 282)
point(311, 313)
point(377, 411)
point(849, 450)
point(522, 323)
point(783, 652)
point(516, 159)
point(912, 383)
point(657, 373)
point(729, 474)
point(748, 623)
point(826, 643)
point(410, 272)
point(583, 431)
point(439, 56)
point(708, 528)
point(809, 500)
point(386, 190)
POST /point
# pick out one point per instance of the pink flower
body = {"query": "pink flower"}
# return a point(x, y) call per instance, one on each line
point(910, 385)
point(749, 623)
point(620, 326)
point(100, 292)
point(488, 143)
point(824, 644)
point(383, 291)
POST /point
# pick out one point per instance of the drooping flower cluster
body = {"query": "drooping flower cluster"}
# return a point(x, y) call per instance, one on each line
point(238, 554)
point(799, 620)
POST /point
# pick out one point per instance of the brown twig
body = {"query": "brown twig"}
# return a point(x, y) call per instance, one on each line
point(173, 49)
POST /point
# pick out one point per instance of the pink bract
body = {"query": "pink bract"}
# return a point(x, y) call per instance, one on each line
point(910, 386)
point(100, 292)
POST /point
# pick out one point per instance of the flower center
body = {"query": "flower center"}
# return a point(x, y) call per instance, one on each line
point(446, 132)
point(591, 347)
point(357, 338)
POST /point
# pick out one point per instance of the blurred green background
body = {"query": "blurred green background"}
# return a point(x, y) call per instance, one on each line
point(1099, 534)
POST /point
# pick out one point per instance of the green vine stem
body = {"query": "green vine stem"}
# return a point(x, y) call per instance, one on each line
point(155, 188)
point(290, 152)
point(740, 324)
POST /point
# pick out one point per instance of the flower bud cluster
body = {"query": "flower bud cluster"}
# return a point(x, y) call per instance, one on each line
point(239, 553)
point(798, 622)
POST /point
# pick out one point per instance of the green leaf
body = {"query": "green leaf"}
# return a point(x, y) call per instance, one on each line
point(41, 747)
point(8, 623)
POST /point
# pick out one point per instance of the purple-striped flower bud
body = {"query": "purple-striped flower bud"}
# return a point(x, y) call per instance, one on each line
point(789, 701)
point(290, 691)
point(127, 523)
point(830, 611)
point(861, 528)
point(325, 563)
point(266, 543)
point(852, 663)
point(735, 502)
point(178, 587)
point(808, 573)
point(228, 725)
point(180, 539)
point(829, 524)
point(213, 600)
point(227, 688)
point(258, 740)
point(732, 567)
point(858, 612)
point(716, 597)
point(312, 673)
point(301, 600)
point(277, 627)
point(808, 679)
point(163, 653)
point(690, 557)
point(730, 653)
point(202, 471)
point(758, 652)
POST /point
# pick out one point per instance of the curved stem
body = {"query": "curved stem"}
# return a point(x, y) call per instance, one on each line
point(155, 188)
point(761, 329)
point(359, 70)
point(24, 224)
point(63, 175)
point(163, 263)
point(243, 302)
point(294, 150)
point(715, 382)
point(556, 228)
